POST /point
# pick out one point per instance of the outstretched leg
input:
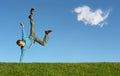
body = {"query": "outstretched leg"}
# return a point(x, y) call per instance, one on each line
point(32, 32)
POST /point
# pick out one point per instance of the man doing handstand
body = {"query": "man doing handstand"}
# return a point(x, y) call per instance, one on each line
point(27, 42)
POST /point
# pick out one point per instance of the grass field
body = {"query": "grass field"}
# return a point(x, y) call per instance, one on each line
point(60, 69)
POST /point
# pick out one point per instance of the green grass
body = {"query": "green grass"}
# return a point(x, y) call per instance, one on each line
point(59, 69)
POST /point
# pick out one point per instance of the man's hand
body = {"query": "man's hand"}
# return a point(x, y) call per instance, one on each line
point(21, 24)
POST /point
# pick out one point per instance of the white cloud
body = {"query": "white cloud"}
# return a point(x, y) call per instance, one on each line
point(94, 18)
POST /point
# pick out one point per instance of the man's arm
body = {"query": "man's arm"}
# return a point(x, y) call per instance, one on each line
point(23, 31)
point(22, 54)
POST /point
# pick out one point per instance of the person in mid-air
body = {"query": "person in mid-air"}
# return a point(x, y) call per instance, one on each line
point(27, 42)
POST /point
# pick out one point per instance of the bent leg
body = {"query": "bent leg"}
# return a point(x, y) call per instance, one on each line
point(42, 42)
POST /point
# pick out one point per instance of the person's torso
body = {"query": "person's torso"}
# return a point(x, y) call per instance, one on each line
point(28, 42)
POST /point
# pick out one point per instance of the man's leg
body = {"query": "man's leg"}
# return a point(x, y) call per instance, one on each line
point(32, 32)
point(45, 39)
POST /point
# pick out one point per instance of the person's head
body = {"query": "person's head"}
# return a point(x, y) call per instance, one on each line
point(20, 43)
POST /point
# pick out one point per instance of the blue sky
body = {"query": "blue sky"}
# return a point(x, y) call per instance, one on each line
point(81, 35)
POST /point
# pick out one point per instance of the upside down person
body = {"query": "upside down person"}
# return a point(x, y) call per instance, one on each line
point(27, 42)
